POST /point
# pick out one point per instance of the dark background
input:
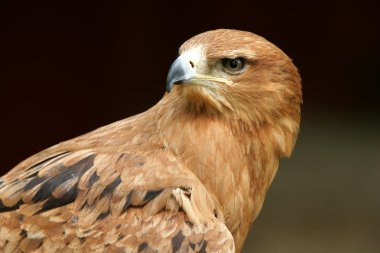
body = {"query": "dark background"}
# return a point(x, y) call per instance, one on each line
point(68, 68)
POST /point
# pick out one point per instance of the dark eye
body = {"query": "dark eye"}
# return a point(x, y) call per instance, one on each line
point(233, 66)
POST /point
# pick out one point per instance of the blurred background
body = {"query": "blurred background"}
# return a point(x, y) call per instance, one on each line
point(68, 68)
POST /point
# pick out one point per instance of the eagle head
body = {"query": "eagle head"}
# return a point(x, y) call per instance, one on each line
point(238, 74)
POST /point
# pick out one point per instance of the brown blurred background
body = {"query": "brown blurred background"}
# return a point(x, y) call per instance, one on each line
point(68, 68)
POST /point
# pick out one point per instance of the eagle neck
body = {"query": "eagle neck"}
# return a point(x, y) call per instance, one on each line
point(227, 155)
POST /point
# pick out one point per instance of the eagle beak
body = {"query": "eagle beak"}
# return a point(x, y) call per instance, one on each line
point(180, 71)
point(189, 68)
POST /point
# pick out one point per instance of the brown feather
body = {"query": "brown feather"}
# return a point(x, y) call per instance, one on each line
point(188, 175)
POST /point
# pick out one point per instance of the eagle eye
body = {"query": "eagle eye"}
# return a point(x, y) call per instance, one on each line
point(233, 66)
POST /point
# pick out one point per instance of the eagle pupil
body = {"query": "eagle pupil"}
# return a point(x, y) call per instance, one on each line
point(234, 64)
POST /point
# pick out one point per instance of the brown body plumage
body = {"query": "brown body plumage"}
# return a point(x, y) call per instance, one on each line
point(188, 175)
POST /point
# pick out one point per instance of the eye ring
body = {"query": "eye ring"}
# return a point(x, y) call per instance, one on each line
point(233, 66)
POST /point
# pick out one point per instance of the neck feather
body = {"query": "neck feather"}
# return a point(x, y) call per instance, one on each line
point(235, 160)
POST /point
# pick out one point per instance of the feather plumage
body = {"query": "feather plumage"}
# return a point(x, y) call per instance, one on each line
point(188, 175)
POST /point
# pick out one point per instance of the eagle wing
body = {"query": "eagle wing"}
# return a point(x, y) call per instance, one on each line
point(138, 198)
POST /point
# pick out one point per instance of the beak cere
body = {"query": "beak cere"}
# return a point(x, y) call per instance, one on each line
point(180, 71)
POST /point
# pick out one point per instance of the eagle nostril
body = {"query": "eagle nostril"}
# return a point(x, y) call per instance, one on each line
point(191, 64)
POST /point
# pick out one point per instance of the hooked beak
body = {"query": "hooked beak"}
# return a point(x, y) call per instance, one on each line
point(191, 68)
point(180, 71)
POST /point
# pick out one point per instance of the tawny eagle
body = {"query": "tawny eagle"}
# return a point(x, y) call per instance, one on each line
point(188, 175)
